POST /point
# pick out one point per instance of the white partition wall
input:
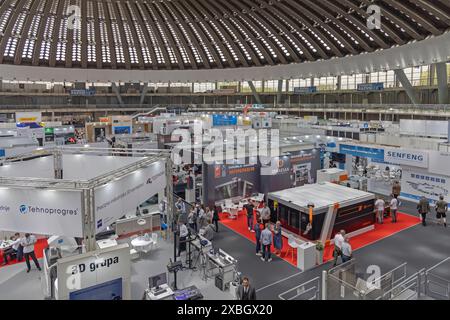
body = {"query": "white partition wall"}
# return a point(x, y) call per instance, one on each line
point(52, 212)
point(122, 196)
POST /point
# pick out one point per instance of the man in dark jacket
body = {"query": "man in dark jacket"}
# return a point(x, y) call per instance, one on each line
point(249, 208)
point(423, 207)
point(246, 291)
point(258, 238)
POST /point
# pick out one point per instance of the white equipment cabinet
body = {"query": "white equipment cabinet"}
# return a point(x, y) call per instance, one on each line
point(306, 256)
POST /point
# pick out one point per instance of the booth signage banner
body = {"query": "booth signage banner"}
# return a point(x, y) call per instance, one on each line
point(439, 162)
point(37, 211)
point(305, 90)
point(224, 120)
point(120, 197)
point(377, 86)
point(414, 158)
point(85, 276)
point(361, 151)
point(28, 117)
point(83, 92)
point(2, 153)
point(416, 183)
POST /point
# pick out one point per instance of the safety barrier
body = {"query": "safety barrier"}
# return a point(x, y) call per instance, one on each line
point(411, 288)
point(436, 286)
point(309, 290)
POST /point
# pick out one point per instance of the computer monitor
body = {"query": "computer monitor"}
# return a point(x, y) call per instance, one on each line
point(157, 281)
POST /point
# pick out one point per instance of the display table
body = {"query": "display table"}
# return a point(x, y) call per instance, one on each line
point(142, 244)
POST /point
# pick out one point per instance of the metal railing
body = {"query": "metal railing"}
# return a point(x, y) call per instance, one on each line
point(309, 290)
point(411, 288)
point(437, 286)
point(389, 108)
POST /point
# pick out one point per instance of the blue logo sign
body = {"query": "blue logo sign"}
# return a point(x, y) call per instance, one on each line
point(99, 223)
point(23, 209)
point(224, 120)
point(363, 152)
point(304, 90)
point(2, 152)
point(377, 86)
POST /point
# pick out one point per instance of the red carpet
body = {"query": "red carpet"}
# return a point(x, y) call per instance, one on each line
point(381, 231)
point(39, 247)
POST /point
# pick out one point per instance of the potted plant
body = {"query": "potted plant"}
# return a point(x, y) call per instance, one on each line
point(319, 252)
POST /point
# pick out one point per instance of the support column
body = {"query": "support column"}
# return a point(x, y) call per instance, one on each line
point(169, 194)
point(254, 92)
point(88, 209)
point(58, 164)
point(442, 80)
point(143, 94)
point(280, 91)
point(401, 76)
point(117, 93)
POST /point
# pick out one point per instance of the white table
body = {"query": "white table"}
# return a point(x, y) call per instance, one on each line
point(142, 244)
point(107, 243)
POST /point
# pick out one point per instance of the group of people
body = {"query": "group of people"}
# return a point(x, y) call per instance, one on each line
point(342, 247)
point(21, 247)
point(199, 218)
point(441, 208)
point(265, 234)
point(423, 207)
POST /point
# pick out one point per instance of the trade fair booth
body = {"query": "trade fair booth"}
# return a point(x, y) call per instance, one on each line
point(72, 193)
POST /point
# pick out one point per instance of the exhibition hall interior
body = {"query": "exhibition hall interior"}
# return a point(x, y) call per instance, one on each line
point(224, 150)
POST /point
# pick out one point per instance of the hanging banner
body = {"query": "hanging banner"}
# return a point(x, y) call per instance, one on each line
point(305, 90)
point(361, 151)
point(37, 211)
point(117, 198)
point(377, 86)
point(416, 184)
point(28, 117)
point(413, 158)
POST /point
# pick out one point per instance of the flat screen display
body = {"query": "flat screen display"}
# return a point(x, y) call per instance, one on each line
point(111, 290)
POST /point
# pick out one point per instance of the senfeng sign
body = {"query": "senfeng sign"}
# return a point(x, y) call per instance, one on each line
point(413, 158)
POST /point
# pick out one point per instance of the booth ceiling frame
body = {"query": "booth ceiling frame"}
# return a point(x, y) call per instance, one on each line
point(149, 157)
point(142, 40)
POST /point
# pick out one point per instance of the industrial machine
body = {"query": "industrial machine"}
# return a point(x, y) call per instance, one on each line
point(318, 211)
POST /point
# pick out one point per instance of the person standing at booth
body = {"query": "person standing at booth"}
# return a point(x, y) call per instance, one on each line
point(215, 219)
point(266, 241)
point(346, 250)
point(393, 205)
point(184, 232)
point(277, 238)
point(249, 208)
point(28, 250)
point(338, 241)
point(379, 205)
point(441, 211)
point(257, 229)
point(424, 208)
point(265, 214)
